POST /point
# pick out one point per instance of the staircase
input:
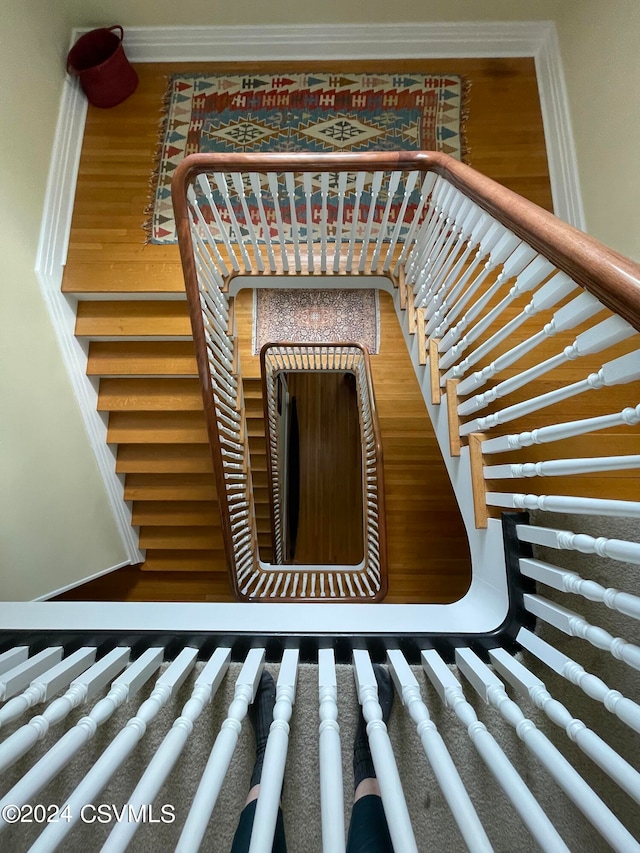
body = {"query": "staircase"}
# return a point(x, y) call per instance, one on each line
point(141, 355)
point(254, 413)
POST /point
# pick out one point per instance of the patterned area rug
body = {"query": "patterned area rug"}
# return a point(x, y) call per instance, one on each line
point(302, 112)
point(316, 316)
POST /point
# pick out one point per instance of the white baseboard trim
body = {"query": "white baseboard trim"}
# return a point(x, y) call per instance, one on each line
point(50, 260)
point(82, 581)
point(228, 43)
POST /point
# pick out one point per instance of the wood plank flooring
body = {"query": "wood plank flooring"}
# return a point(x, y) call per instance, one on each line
point(132, 313)
point(330, 529)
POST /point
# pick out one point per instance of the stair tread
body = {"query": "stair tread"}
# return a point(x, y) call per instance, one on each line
point(141, 358)
point(196, 538)
point(157, 427)
point(96, 319)
point(176, 513)
point(164, 459)
point(149, 395)
point(115, 277)
point(168, 560)
point(170, 487)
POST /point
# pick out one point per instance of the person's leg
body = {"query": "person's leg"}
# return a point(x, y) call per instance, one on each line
point(261, 716)
point(368, 829)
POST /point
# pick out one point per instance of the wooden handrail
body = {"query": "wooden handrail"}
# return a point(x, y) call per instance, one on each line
point(611, 277)
point(382, 526)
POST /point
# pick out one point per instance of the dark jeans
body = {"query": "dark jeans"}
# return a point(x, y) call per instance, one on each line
point(368, 830)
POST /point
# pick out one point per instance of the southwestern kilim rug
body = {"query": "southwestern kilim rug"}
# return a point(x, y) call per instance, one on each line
point(315, 317)
point(317, 112)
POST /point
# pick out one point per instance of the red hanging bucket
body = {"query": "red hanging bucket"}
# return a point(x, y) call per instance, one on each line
point(105, 73)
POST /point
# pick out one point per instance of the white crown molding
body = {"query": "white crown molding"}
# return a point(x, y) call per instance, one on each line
point(288, 42)
point(50, 260)
point(326, 41)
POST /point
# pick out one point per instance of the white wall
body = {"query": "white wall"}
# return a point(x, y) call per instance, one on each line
point(55, 522)
point(600, 44)
point(195, 12)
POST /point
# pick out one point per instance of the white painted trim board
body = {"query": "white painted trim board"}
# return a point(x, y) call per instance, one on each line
point(286, 42)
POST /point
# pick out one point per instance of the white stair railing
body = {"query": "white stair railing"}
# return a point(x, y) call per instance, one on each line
point(470, 808)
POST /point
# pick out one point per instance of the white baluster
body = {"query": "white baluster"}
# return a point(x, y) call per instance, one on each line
point(18, 677)
point(613, 700)
point(577, 626)
point(199, 217)
point(527, 280)
point(118, 750)
point(447, 253)
point(620, 371)
point(485, 235)
point(437, 753)
point(295, 230)
point(565, 503)
point(45, 686)
point(492, 691)
point(72, 741)
point(432, 287)
point(205, 187)
point(615, 549)
point(445, 204)
point(561, 467)
point(308, 193)
point(221, 754)
point(170, 749)
point(544, 298)
point(223, 189)
point(393, 801)
point(451, 695)
point(275, 756)
point(238, 185)
point(342, 189)
point(331, 789)
point(409, 184)
point(360, 179)
point(428, 230)
point(256, 188)
point(374, 191)
point(13, 657)
point(272, 179)
point(606, 334)
point(500, 250)
point(513, 266)
point(391, 190)
point(587, 740)
point(324, 196)
point(571, 582)
point(428, 182)
point(558, 432)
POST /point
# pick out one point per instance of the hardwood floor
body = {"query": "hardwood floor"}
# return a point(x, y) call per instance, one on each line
point(330, 526)
point(132, 313)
